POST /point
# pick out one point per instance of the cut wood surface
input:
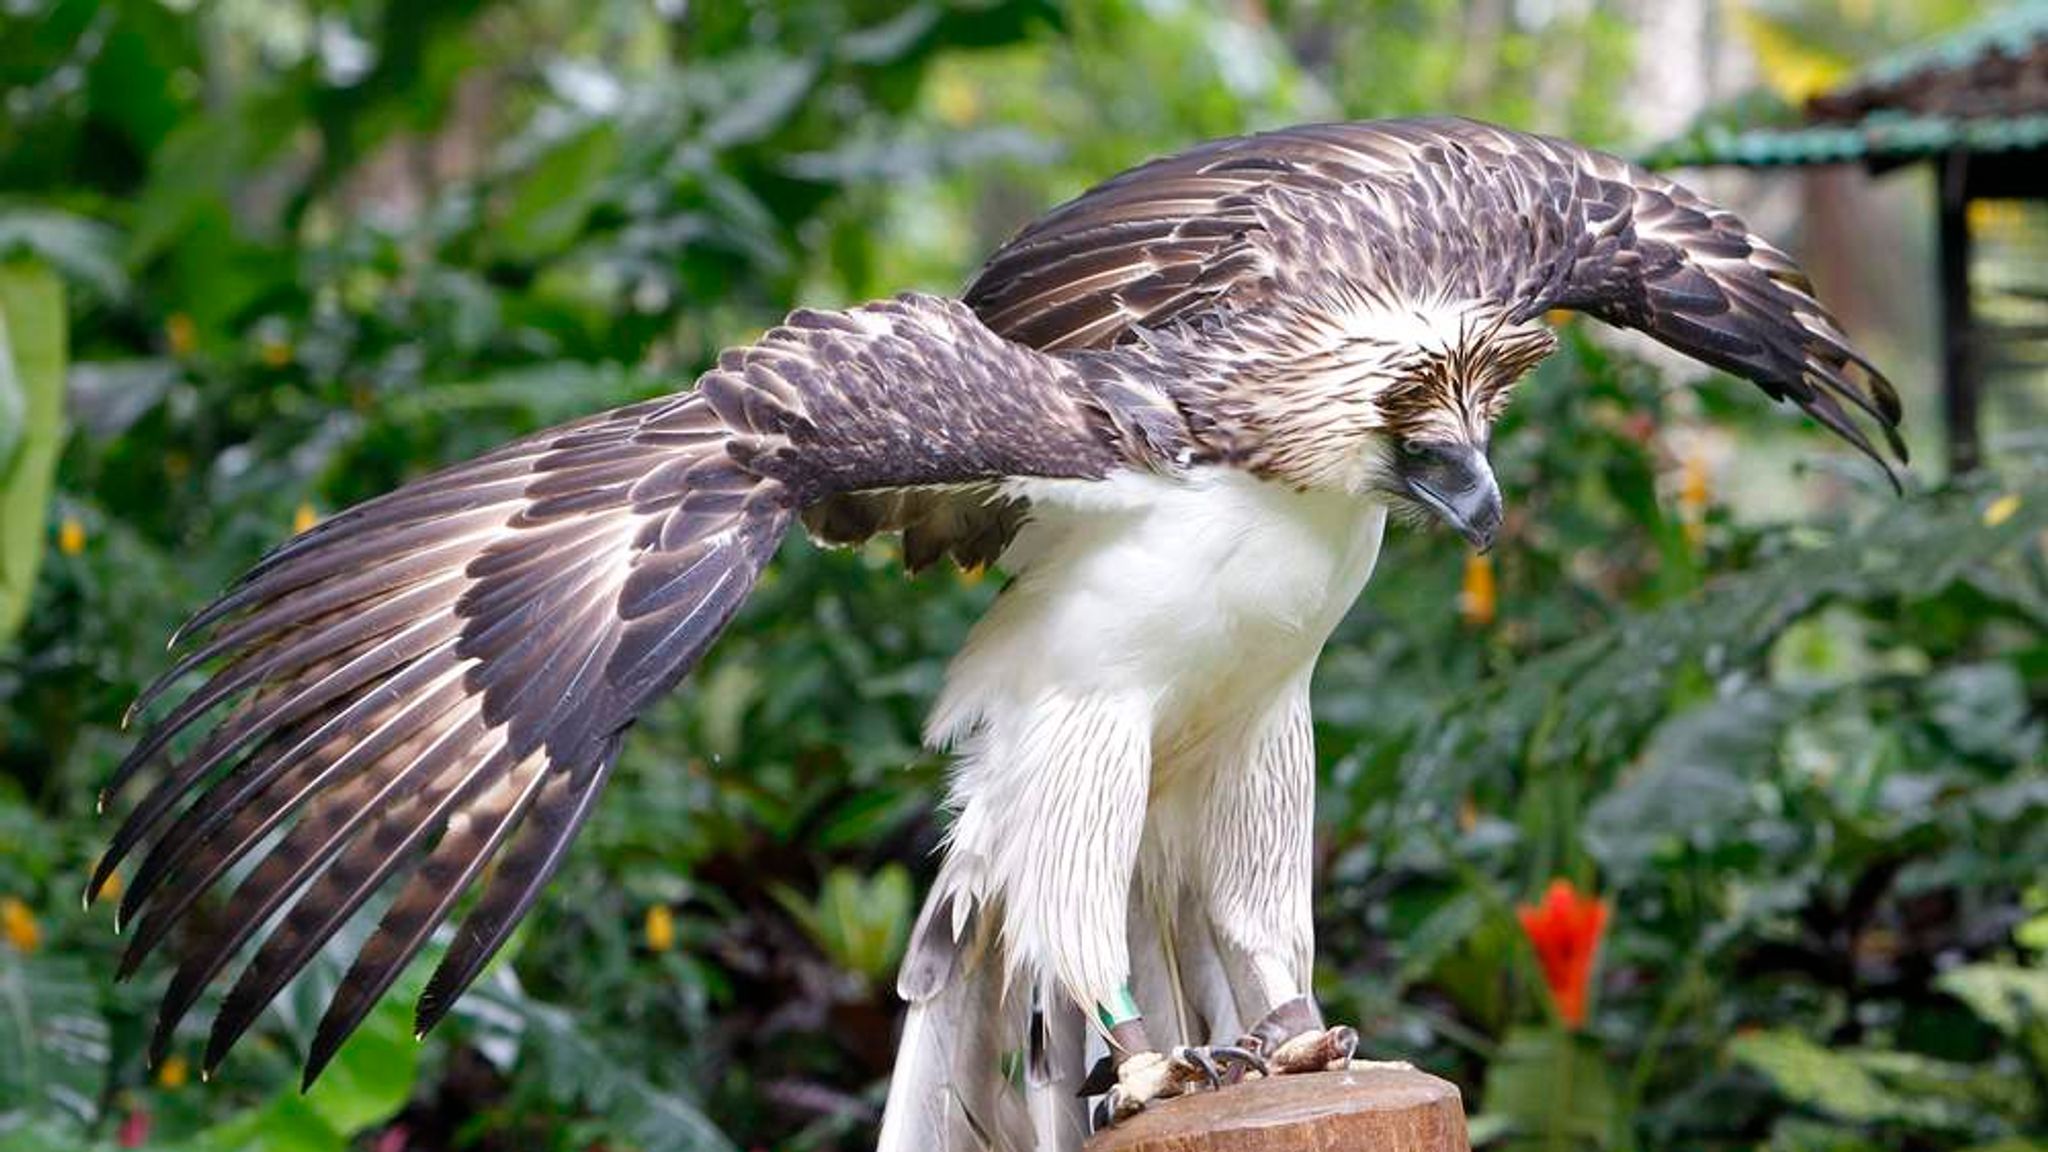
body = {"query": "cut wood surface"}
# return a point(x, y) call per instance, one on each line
point(1370, 1108)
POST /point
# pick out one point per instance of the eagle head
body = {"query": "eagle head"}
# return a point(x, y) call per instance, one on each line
point(1393, 404)
point(1440, 386)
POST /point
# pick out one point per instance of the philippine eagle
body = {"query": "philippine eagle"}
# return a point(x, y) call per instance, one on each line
point(1178, 411)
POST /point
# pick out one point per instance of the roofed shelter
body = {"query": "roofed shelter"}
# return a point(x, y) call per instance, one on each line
point(1974, 105)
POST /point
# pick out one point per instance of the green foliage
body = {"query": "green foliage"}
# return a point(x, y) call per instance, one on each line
point(859, 923)
point(31, 425)
point(310, 250)
point(53, 1040)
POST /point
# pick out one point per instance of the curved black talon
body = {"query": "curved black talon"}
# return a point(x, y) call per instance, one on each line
point(1202, 1063)
point(1246, 1059)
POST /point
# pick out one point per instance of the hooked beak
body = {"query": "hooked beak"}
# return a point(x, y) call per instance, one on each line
point(1455, 482)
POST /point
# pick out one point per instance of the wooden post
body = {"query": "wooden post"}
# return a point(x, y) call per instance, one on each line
point(1958, 360)
point(1371, 1108)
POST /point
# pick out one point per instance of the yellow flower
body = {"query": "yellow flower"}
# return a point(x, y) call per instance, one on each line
point(304, 519)
point(1694, 493)
point(2001, 509)
point(955, 99)
point(274, 353)
point(1692, 485)
point(1478, 599)
point(18, 926)
point(182, 334)
point(659, 929)
point(174, 1073)
point(71, 536)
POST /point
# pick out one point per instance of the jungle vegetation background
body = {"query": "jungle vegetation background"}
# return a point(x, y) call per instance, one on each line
point(265, 258)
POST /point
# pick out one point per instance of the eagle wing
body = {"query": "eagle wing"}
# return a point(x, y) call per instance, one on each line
point(1528, 222)
point(438, 679)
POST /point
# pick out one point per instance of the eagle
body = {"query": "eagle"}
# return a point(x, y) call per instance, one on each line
point(1179, 412)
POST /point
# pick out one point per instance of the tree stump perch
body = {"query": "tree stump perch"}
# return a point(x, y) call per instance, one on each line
point(1369, 1108)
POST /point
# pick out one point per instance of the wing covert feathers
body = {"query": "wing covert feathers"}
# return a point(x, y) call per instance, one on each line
point(1414, 212)
point(426, 693)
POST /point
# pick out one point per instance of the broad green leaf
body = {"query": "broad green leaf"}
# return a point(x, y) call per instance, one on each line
point(1693, 788)
point(551, 199)
point(32, 349)
point(371, 1077)
point(289, 1123)
point(1843, 1084)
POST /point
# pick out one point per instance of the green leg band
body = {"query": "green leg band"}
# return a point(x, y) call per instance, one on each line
point(1120, 1008)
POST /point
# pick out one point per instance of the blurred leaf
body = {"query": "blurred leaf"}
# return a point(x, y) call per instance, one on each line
point(85, 250)
point(2010, 998)
point(1830, 1082)
point(1546, 1081)
point(859, 923)
point(289, 1123)
point(372, 1076)
point(1693, 787)
point(764, 90)
point(577, 1069)
point(1984, 711)
point(53, 1042)
point(550, 200)
point(32, 350)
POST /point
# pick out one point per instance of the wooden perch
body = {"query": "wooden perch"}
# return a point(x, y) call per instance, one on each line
point(1371, 1108)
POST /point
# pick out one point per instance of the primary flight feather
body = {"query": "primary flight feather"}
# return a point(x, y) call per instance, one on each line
point(1178, 410)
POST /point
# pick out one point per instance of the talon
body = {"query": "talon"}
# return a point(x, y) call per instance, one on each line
point(1246, 1059)
point(1203, 1064)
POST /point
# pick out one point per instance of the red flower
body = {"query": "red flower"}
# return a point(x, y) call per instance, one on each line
point(1565, 931)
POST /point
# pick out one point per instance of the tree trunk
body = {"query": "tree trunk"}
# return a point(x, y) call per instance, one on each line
point(1371, 1108)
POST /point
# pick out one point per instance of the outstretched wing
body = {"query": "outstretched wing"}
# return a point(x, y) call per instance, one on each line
point(1529, 222)
point(438, 679)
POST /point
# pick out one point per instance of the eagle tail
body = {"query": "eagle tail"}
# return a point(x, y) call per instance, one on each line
point(968, 1022)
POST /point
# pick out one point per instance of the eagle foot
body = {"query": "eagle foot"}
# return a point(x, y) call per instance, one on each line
point(1293, 1038)
point(1147, 1076)
point(1318, 1050)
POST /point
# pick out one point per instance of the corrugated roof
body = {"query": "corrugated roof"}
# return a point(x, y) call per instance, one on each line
point(1983, 88)
point(1878, 137)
